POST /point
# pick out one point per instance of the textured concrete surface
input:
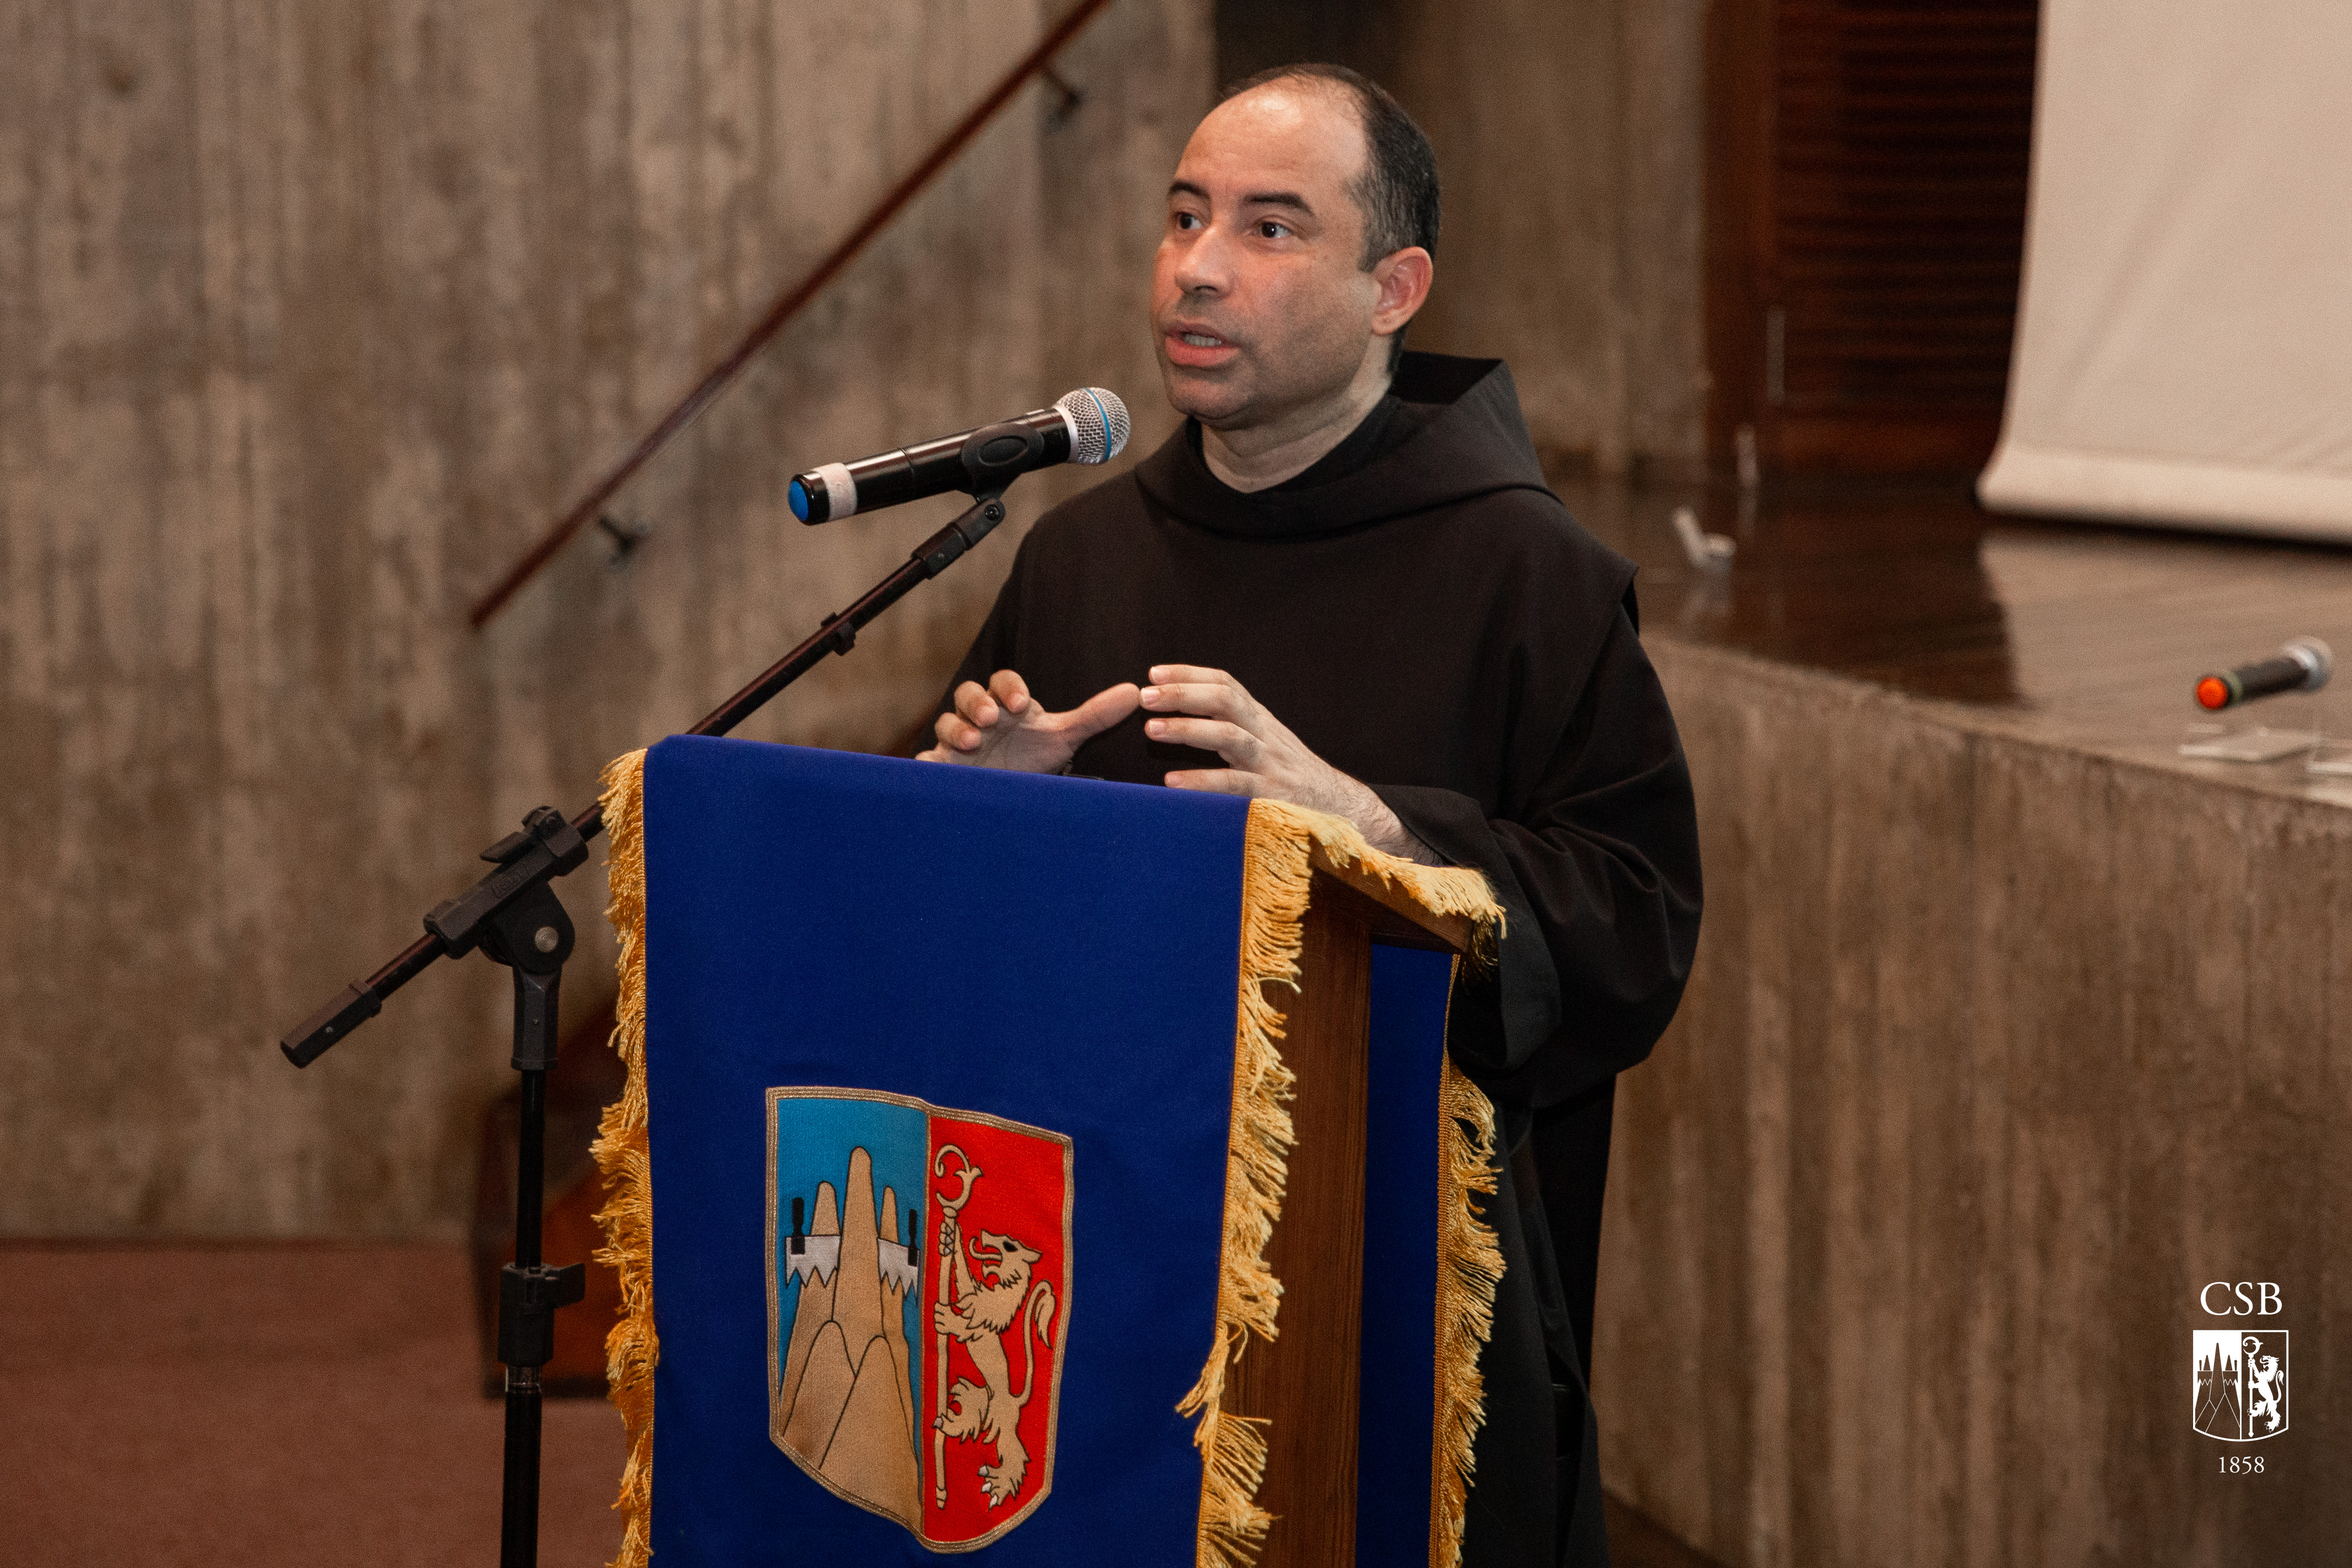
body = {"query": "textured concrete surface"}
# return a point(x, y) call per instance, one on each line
point(311, 317)
point(1997, 1052)
point(1569, 139)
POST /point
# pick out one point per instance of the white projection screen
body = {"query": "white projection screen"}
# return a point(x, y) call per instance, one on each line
point(2184, 341)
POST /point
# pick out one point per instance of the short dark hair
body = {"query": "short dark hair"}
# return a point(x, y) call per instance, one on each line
point(1398, 189)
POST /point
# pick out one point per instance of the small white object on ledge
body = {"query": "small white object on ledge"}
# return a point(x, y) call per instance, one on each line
point(1706, 551)
point(2258, 744)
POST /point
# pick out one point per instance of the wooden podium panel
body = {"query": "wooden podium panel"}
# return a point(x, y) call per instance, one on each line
point(1304, 1381)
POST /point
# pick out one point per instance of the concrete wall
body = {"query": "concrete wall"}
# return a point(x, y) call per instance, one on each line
point(310, 318)
point(1569, 137)
point(1996, 1053)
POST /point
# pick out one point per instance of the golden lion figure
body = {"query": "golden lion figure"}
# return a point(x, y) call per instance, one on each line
point(980, 1318)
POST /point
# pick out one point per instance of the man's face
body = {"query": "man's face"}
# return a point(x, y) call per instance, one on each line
point(1259, 303)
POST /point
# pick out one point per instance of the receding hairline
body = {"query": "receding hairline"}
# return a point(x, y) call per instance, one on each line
point(1352, 182)
point(1309, 80)
point(1327, 89)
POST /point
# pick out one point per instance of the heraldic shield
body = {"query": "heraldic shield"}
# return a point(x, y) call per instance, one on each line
point(2239, 1382)
point(919, 1290)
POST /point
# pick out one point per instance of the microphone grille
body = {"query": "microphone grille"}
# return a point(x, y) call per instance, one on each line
point(1099, 426)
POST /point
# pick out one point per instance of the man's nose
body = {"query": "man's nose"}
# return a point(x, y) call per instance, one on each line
point(1205, 266)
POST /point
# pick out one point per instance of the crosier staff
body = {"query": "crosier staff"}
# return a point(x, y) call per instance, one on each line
point(948, 1227)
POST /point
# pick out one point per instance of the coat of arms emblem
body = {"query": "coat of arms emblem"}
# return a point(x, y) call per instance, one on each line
point(919, 1287)
point(2241, 1383)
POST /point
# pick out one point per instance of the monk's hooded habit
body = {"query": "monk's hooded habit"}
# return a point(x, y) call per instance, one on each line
point(1423, 614)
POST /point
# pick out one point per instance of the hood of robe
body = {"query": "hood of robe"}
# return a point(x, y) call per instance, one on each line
point(1472, 441)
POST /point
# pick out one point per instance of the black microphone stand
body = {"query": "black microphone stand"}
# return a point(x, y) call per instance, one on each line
point(513, 916)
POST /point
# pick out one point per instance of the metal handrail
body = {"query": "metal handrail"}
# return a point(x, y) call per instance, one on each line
point(787, 305)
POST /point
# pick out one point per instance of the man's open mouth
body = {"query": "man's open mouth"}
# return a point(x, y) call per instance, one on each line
point(1194, 349)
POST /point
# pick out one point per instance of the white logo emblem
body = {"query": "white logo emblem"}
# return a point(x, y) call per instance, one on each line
point(2241, 1383)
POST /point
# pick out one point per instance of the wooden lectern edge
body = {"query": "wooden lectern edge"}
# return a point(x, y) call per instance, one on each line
point(1303, 1383)
point(1401, 918)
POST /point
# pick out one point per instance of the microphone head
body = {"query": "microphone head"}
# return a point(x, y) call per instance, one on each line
point(2318, 659)
point(1099, 426)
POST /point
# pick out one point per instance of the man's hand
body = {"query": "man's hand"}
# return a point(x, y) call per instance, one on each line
point(1210, 711)
point(999, 725)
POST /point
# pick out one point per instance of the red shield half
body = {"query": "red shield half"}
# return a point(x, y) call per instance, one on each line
point(996, 1307)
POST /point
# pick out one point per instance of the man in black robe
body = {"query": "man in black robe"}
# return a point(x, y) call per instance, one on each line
point(1347, 586)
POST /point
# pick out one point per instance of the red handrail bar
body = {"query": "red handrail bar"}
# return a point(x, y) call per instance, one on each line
point(786, 306)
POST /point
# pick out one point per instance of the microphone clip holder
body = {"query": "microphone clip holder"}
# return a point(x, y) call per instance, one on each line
point(996, 455)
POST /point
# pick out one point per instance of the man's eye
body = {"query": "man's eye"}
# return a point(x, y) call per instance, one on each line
point(1188, 220)
point(1270, 229)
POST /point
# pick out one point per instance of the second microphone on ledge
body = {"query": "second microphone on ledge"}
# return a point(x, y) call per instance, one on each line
point(1088, 425)
point(2303, 665)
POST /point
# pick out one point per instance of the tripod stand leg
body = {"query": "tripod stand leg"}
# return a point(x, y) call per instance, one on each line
point(529, 1291)
point(518, 1524)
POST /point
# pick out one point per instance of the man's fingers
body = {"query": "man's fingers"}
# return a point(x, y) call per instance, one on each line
point(954, 735)
point(955, 738)
point(1206, 699)
point(1188, 674)
point(1231, 742)
point(1101, 711)
point(1012, 693)
point(973, 702)
point(1210, 693)
point(1216, 781)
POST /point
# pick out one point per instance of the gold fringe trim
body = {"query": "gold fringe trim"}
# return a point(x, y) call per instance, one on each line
point(1440, 889)
point(1469, 1269)
point(621, 1154)
point(1276, 878)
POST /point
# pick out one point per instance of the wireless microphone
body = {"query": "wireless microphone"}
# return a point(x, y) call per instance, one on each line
point(1088, 425)
point(2303, 665)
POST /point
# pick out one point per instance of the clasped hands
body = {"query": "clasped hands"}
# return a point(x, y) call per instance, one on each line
point(999, 725)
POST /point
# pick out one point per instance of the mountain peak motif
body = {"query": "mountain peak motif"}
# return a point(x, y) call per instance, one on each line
point(845, 1405)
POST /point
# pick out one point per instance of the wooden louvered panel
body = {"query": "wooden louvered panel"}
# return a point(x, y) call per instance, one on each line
point(1873, 230)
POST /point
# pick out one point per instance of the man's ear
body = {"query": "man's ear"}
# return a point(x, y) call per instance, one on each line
point(1402, 279)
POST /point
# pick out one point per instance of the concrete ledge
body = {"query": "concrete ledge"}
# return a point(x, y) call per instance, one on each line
point(1998, 1050)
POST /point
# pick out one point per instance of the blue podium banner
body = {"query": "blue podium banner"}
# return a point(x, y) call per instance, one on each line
point(927, 1174)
